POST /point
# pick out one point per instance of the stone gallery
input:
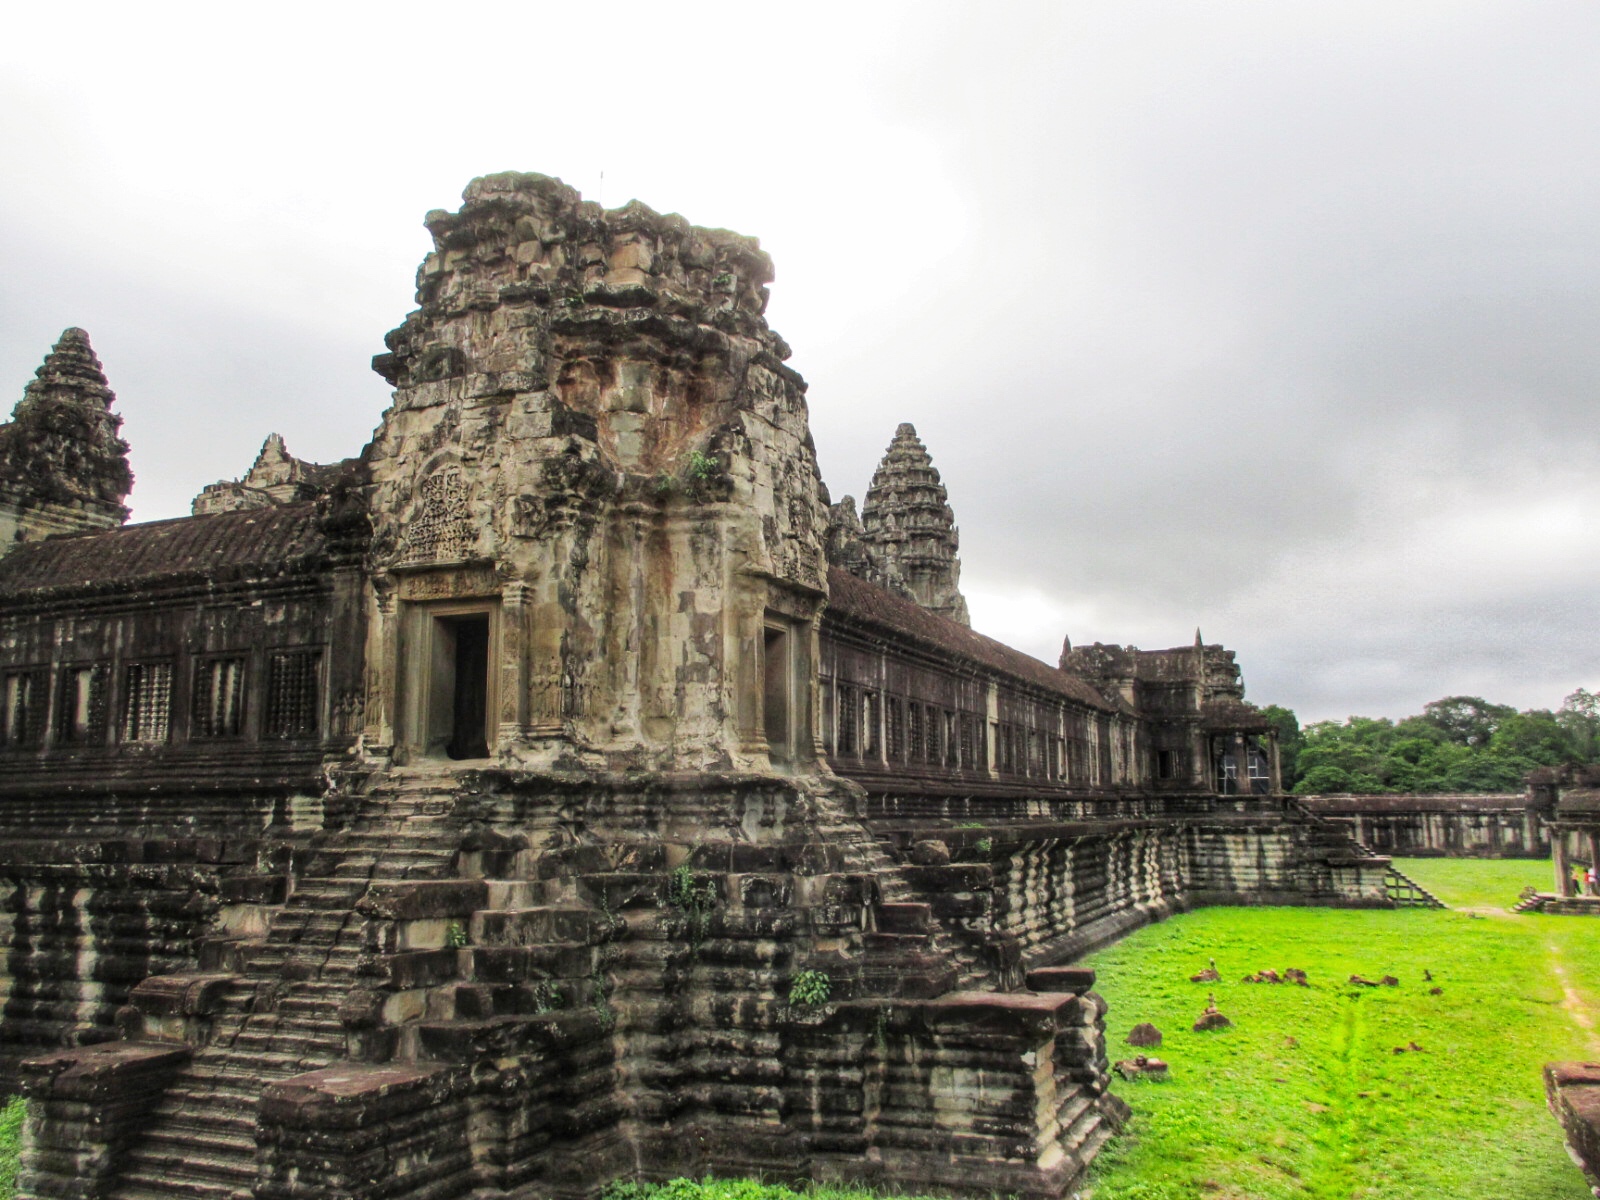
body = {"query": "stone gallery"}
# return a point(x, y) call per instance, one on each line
point(562, 789)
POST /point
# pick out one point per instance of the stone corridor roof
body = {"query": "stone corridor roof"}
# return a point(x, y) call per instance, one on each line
point(260, 541)
point(858, 601)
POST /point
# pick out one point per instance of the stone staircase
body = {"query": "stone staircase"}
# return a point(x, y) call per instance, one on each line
point(280, 1015)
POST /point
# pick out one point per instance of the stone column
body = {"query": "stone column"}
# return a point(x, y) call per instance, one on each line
point(1558, 852)
point(1594, 859)
point(383, 660)
point(512, 717)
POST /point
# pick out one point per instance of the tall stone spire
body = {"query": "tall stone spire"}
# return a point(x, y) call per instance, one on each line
point(61, 459)
point(906, 517)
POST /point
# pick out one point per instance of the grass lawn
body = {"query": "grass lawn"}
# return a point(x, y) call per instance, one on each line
point(1305, 1096)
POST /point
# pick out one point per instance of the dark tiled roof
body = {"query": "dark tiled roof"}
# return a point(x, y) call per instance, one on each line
point(859, 602)
point(276, 540)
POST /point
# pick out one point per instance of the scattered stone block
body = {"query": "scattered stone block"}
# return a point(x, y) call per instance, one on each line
point(1211, 1018)
point(1140, 1067)
point(1144, 1034)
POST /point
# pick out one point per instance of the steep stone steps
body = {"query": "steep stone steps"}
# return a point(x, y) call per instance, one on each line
point(282, 1018)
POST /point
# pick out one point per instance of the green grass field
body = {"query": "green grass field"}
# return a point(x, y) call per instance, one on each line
point(1305, 1096)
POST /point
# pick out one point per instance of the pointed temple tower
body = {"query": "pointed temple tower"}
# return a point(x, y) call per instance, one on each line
point(63, 469)
point(907, 519)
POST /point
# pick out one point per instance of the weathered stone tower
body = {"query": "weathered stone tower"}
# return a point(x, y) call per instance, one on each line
point(907, 519)
point(63, 469)
point(596, 484)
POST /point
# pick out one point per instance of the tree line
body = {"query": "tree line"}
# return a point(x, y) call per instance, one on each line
point(1457, 744)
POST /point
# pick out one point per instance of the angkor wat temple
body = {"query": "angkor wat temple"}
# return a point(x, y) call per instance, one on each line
point(562, 789)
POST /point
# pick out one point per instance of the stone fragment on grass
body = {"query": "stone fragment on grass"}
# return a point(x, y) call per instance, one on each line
point(1211, 1018)
point(1140, 1067)
point(1209, 975)
point(1144, 1034)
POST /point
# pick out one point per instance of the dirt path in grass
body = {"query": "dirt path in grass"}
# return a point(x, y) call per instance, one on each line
point(1579, 1007)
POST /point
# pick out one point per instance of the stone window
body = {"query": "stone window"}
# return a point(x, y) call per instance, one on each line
point(219, 697)
point(292, 693)
point(81, 705)
point(871, 743)
point(22, 695)
point(147, 702)
point(777, 667)
point(968, 741)
point(935, 727)
point(895, 728)
point(914, 732)
point(829, 741)
point(849, 719)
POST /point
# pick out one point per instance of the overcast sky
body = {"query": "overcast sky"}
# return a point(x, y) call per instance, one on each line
point(1274, 318)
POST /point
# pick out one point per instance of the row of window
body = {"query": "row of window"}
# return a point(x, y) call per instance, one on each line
point(913, 732)
point(83, 706)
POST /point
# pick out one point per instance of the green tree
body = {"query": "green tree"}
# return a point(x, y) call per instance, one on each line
point(1466, 720)
point(1290, 740)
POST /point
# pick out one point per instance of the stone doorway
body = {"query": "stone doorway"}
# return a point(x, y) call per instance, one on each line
point(464, 685)
point(450, 675)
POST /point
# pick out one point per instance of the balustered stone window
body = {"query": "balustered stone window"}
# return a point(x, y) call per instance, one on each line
point(219, 697)
point(935, 728)
point(147, 702)
point(81, 705)
point(849, 720)
point(292, 693)
point(895, 728)
point(22, 696)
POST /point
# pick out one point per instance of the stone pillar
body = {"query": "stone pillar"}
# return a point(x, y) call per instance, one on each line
point(1558, 852)
point(513, 719)
point(1274, 763)
point(383, 663)
point(1594, 860)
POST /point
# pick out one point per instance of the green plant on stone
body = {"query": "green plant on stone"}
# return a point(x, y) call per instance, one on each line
point(455, 935)
point(810, 988)
point(601, 1003)
point(546, 996)
point(694, 899)
point(985, 844)
point(701, 466)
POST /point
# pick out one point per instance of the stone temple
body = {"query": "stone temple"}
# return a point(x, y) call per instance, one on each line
point(562, 789)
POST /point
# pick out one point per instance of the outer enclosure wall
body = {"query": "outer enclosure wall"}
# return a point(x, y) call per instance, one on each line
point(1041, 857)
point(1464, 826)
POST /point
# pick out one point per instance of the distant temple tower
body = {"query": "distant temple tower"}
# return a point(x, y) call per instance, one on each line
point(63, 469)
point(906, 519)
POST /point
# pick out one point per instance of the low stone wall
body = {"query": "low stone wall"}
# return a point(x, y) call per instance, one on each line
point(1573, 1092)
point(1454, 826)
